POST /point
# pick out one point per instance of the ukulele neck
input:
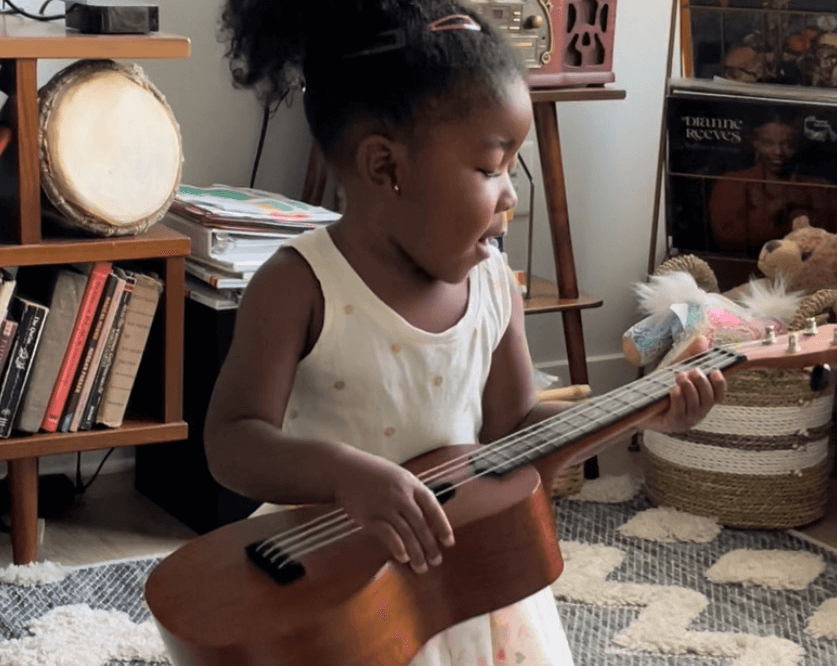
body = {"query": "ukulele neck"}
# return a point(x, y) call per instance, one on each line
point(573, 435)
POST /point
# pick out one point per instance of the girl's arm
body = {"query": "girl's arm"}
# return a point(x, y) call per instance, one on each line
point(510, 401)
point(246, 449)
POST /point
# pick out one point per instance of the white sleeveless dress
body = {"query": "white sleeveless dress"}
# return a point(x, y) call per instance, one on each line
point(376, 382)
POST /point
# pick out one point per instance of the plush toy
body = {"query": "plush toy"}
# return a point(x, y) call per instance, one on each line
point(807, 257)
point(678, 310)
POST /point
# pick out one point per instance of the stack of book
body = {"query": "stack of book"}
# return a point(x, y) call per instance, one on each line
point(234, 230)
point(71, 340)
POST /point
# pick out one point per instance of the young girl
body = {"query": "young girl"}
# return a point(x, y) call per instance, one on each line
point(397, 329)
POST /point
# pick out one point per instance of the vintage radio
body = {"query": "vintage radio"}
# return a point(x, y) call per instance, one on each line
point(563, 42)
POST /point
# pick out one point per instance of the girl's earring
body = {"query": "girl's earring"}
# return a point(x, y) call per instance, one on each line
point(396, 188)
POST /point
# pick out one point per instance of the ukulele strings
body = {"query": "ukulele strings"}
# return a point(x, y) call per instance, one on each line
point(337, 524)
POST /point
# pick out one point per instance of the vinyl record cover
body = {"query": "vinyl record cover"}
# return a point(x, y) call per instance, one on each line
point(742, 167)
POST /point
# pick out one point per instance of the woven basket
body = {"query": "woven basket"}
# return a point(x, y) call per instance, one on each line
point(759, 459)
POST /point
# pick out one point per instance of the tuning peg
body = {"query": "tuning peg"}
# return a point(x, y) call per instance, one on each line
point(820, 377)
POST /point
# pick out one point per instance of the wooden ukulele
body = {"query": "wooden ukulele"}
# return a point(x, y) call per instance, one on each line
point(309, 587)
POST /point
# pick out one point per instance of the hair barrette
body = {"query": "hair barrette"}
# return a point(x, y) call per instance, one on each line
point(387, 40)
point(454, 22)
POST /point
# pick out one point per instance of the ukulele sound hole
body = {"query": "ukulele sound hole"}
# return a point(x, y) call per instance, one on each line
point(277, 565)
point(443, 491)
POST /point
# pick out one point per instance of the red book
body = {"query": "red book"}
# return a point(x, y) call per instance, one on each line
point(86, 312)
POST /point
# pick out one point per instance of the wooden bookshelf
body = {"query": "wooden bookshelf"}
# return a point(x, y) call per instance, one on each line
point(22, 43)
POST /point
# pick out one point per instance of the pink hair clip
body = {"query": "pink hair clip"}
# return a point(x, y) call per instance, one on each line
point(454, 22)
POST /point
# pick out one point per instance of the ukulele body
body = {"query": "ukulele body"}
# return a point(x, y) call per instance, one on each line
point(354, 605)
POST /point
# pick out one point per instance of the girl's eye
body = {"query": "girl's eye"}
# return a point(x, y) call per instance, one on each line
point(488, 173)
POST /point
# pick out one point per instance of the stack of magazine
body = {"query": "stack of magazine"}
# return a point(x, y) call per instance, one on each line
point(233, 231)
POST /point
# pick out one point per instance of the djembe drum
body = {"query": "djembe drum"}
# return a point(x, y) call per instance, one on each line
point(110, 148)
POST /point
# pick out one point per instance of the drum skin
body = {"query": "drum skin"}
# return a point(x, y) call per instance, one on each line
point(110, 148)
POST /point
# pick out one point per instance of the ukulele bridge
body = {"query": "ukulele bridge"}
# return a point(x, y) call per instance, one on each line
point(274, 562)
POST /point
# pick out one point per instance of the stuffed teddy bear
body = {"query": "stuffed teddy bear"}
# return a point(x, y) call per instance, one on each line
point(806, 257)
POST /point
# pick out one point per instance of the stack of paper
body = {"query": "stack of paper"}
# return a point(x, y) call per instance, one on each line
point(234, 230)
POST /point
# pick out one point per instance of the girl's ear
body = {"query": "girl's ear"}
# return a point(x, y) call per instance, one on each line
point(380, 162)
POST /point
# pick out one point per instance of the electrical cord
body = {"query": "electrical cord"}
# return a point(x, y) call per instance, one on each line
point(269, 110)
point(262, 134)
point(38, 17)
point(80, 485)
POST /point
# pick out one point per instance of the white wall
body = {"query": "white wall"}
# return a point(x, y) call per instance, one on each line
point(609, 148)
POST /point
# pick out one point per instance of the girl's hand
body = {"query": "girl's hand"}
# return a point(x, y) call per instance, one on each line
point(395, 506)
point(693, 395)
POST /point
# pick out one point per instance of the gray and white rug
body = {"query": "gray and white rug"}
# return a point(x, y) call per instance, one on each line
point(629, 601)
point(624, 600)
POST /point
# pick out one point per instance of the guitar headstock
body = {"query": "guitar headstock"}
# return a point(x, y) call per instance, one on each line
point(810, 348)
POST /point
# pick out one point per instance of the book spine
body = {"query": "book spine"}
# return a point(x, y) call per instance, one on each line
point(96, 360)
point(86, 361)
point(63, 309)
point(98, 388)
point(87, 310)
point(30, 326)
point(8, 329)
point(129, 351)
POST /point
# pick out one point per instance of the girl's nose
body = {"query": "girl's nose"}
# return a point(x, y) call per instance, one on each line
point(508, 197)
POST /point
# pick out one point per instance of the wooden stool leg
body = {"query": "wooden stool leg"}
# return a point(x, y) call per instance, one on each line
point(23, 491)
point(549, 147)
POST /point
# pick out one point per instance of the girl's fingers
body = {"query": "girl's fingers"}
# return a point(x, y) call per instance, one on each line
point(435, 516)
point(415, 518)
point(415, 549)
point(389, 537)
point(719, 384)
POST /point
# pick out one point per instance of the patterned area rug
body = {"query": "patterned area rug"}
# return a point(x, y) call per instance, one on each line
point(624, 601)
point(91, 616)
point(660, 597)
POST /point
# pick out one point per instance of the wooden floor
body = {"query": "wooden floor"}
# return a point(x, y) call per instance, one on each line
point(112, 521)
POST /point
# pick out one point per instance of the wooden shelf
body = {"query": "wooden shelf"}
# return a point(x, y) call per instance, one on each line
point(132, 433)
point(22, 43)
point(25, 38)
point(159, 241)
point(544, 298)
point(588, 94)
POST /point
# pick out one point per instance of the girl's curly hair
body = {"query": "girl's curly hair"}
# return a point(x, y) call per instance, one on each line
point(376, 59)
